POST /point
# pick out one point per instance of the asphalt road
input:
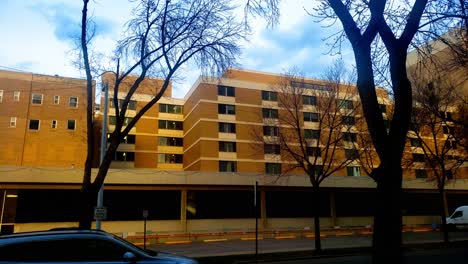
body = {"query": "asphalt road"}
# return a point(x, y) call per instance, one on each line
point(433, 256)
point(238, 247)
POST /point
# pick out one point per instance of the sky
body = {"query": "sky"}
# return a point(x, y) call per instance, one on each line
point(37, 37)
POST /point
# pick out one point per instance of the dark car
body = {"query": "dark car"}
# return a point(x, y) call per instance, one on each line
point(77, 246)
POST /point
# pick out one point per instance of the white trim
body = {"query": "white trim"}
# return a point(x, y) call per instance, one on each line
point(52, 124)
point(1, 96)
point(13, 121)
point(16, 96)
point(32, 98)
point(69, 101)
point(74, 127)
point(58, 99)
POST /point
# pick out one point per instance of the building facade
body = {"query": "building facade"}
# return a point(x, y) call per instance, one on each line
point(193, 162)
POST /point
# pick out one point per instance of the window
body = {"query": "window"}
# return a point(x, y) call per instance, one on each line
point(173, 125)
point(311, 133)
point(227, 128)
point(344, 104)
point(129, 139)
point(457, 214)
point(71, 124)
point(113, 120)
point(16, 96)
point(1, 96)
point(124, 156)
point(418, 157)
point(351, 154)
point(446, 116)
point(415, 142)
point(269, 96)
point(310, 85)
point(226, 90)
point(225, 146)
point(227, 166)
point(226, 109)
point(420, 174)
point(273, 168)
point(171, 141)
point(56, 99)
point(270, 131)
point(53, 124)
point(12, 121)
point(170, 158)
point(349, 120)
point(73, 102)
point(353, 171)
point(350, 137)
point(34, 124)
point(449, 175)
point(447, 130)
point(383, 108)
point(271, 149)
point(36, 98)
point(269, 113)
point(132, 105)
point(313, 152)
point(172, 109)
point(309, 100)
point(311, 117)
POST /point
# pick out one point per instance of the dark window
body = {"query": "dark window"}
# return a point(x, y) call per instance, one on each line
point(313, 151)
point(225, 146)
point(351, 154)
point(227, 128)
point(132, 104)
point(71, 124)
point(457, 214)
point(170, 158)
point(317, 169)
point(226, 109)
point(269, 96)
point(34, 124)
point(73, 101)
point(273, 168)
point(351, 137)
point(311, 134)
point(113, 120)
point(124, 156)
point(313, 86)
point(226, 90)
point(270, 113)
point(270, 131)
point(449, 175)
point(170, 141)
point(353, 171)
point(447, 130)
point(421, 173)
point(415, 142)
point(129, 139)
point(349, 120)
point(271, 149)
point(311, 117)
point(171, 109)
point(227, 166)
point(173, 125)
point(309, 100)
point(383, 108)
point(344, 104)
point(418, 157)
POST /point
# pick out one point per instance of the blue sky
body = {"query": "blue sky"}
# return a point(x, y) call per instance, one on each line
point(38, 38)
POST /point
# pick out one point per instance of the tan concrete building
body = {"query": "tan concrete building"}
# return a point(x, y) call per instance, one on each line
point(42, 120)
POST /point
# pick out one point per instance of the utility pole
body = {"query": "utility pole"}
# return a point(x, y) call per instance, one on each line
point(100, 199)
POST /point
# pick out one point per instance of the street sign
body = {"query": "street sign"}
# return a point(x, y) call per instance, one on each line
point(100, 213)
point(145, 214)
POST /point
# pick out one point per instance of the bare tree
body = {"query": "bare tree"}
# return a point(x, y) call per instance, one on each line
point(159, 38)
point(433, 132)
point(380, 34)
point(313, 129)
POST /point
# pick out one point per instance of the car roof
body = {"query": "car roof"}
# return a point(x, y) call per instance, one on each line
point(56, 231)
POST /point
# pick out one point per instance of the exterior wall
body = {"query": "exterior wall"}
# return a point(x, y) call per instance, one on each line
point(47, 146)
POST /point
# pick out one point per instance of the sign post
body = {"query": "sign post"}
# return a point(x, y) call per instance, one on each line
point(145, 216)
point(100, 213)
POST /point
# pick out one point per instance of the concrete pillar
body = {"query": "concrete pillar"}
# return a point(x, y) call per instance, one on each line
point(183, 210)
point(263, 214)
point(333, 208)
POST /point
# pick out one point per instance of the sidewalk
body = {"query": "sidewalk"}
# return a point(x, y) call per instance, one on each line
point(338, 241)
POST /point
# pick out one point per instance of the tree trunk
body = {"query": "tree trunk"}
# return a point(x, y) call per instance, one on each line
point(443, 209)
point(87, 202)
point(387, 219)
point(318, 242)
